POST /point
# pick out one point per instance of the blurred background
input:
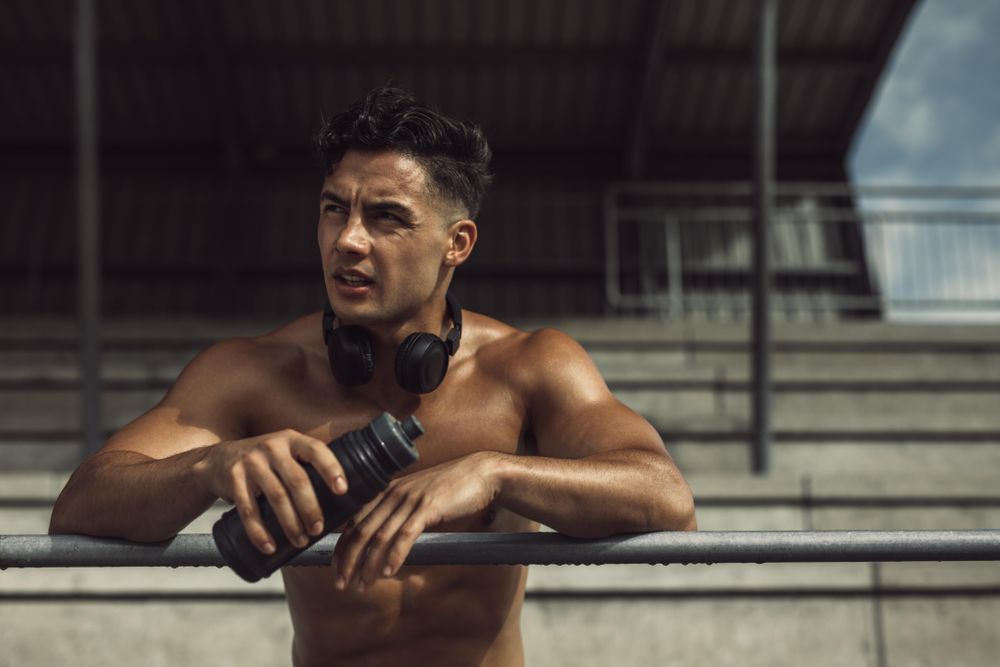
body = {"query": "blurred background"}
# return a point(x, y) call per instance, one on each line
point(158, 193)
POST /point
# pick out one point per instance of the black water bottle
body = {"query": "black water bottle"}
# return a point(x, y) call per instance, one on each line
point(369, 456)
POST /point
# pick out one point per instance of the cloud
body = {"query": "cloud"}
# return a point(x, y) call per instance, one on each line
point(958, 25)
point(912, 124)
point(936, 120)
point(993, 145)
point(935, 90)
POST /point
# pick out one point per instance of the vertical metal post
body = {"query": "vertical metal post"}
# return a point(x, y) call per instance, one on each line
point(88, 227)
point(675, 270)
point(764, 154)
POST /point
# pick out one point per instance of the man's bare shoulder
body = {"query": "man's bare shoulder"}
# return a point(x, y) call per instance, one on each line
point(246, 361)
point(521, 355)
point(289, 344)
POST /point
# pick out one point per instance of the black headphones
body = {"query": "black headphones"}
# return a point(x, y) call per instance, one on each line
point(421, 360)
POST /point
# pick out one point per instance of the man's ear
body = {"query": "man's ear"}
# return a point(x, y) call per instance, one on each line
point(462, 237)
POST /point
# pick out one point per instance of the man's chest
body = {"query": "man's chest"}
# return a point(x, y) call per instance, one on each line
point(459, 418)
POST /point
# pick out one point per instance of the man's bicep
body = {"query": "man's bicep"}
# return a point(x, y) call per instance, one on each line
point(204, 406)
point(163, 432)
point(574, 414)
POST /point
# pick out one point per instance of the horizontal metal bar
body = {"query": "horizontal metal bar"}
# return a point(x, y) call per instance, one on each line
point(31, 551)
point(807, 303)
point(790, 216)
point(743, 188)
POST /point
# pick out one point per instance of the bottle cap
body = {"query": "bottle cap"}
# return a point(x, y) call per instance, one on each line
point(412, 427)
point(396, 439)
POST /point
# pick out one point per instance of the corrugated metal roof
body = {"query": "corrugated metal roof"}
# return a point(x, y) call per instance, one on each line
point(186, 83)
point(533, 72)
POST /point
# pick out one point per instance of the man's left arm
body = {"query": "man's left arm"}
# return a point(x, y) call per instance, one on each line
point(601, 469)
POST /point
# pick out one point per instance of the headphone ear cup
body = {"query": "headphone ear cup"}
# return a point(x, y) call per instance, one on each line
point(350, 352)
point(421, 363)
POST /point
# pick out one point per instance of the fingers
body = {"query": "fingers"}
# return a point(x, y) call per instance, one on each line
point(246, 503)
point(273, 465)
point(304, 503)
point(280, 500)
point(394, 550)
point(368, 538)
point(317, 453)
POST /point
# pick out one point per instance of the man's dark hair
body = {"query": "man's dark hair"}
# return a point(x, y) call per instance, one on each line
point(454, 153)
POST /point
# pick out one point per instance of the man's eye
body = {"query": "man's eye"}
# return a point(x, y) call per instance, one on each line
point(332, 208)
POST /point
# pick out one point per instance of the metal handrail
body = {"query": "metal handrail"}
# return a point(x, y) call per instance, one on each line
point(716, 217)
point(658, 548)
point(822, 188)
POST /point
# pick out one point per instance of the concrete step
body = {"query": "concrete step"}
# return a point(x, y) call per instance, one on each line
point(59, 410)
point(843, 393)
point(669, 406)
point(20, 329)
point(694, 452)
point(725, 502)
point(687, 362)
point(29, 453)
point(892, 455)
point(752, 631)
point(655, 330)
point(823, 410)
point(857, 365)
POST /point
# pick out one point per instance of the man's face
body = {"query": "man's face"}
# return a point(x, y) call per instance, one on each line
point(382, 235)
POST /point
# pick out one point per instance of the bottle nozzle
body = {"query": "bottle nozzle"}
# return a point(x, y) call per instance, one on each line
point(412, 427)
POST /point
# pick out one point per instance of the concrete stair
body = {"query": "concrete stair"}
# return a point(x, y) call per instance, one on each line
point(877, 427)
point(847, 397)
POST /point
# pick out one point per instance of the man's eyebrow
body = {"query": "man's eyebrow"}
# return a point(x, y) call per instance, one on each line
point(388, 205)
point(326, 195)
point(373, 205)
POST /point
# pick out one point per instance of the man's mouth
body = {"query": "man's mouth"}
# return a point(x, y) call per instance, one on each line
point(354, 281)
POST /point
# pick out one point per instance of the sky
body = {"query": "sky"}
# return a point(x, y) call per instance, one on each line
point(935, 120)
point(936, 115)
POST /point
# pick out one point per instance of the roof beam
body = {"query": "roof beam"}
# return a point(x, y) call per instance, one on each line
point(229, 117)
point(222, 83)
point(650, 73)
point(670, 141)
point(436, 55)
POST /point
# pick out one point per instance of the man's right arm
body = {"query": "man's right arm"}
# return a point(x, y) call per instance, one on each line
point(129, 495)
point(161, 471)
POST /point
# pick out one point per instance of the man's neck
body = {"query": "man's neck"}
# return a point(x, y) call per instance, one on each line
point(386, 340)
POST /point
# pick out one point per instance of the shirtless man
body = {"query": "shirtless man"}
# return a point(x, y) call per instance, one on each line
point(522, 430)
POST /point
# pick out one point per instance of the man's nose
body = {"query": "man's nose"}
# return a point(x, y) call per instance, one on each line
point(353, 237)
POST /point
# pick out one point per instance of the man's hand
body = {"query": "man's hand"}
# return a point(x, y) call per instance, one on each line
point(379, 541)
point(239, 470)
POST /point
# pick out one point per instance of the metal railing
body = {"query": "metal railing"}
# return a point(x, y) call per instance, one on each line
point(658, 548)
point(678, 249)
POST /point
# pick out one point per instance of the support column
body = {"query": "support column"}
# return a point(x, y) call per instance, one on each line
point(88, 222)
point(763, 169)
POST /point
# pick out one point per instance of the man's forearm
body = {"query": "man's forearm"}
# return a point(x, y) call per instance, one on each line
point(596, 496)
point(132, 496)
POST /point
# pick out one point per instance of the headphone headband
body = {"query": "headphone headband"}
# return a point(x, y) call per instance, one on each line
point(452, 308)
point(454, 336)
point(421, 359)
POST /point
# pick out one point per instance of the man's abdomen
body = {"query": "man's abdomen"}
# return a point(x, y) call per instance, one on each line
point(440, 615)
